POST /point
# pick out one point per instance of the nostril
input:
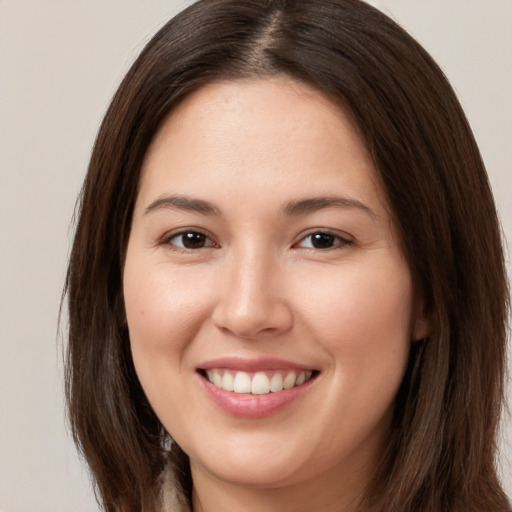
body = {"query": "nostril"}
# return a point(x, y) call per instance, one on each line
point(249, 323)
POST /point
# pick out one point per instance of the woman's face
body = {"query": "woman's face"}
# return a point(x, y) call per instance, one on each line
point(269, 306)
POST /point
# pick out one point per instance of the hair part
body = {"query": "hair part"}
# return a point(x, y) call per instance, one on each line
point(441, 453)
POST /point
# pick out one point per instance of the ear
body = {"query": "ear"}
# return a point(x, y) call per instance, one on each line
point(421, 327)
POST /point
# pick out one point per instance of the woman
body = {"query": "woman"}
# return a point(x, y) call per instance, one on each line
point(287, 289)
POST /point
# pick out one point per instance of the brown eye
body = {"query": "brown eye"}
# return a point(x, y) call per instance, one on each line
point(191, 240)
point(323, 240)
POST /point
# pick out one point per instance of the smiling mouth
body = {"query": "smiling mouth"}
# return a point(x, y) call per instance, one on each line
point(257, 383)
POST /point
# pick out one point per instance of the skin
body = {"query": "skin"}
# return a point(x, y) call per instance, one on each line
point(256, 285)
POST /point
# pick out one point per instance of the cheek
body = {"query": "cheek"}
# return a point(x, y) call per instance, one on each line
point(164, 311)
point(363, 324)
point(363, 304)
point(363, 320)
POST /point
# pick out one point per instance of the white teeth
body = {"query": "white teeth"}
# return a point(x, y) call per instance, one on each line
point(289, 380)
point(227, 382)
point(276, 383)
point(242, 382)
point(258, 383)
point(217, 378)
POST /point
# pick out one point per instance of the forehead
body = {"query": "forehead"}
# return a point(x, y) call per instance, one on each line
point(240, 136)
point(247, 107)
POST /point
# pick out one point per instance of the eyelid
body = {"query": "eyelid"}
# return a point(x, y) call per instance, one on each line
point(166, 239)
point(344, 238)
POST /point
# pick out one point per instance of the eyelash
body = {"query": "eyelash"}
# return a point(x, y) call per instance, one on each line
point(168, 240)
point(338, 241)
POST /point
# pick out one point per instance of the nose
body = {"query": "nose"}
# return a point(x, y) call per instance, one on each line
point(252, 298)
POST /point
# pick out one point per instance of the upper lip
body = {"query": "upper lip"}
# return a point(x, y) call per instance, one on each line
point(253, 365)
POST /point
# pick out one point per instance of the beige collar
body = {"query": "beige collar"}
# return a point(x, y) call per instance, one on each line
point(171, 496)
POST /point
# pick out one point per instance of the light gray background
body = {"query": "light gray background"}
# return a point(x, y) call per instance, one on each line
point(60, 62)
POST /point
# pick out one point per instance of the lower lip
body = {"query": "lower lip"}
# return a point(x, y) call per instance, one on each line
point(254, 406)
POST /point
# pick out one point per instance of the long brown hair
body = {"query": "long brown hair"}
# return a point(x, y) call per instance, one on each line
point(441, 453)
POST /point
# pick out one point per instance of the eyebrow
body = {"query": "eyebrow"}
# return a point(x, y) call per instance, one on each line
point(313, 204)
point(293, 208)
point(183, 203)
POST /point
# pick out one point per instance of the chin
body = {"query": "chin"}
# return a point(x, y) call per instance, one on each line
point(259, 464)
